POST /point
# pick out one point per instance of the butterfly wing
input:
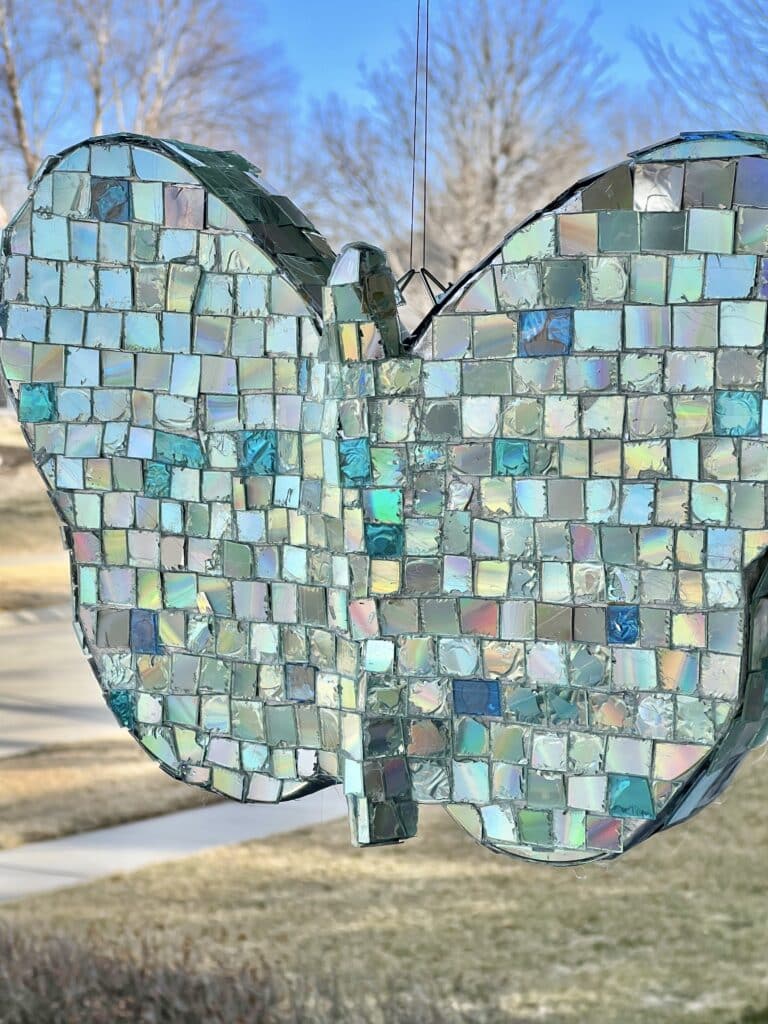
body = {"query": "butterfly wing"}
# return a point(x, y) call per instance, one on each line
point(585, 516)
point(161, 340)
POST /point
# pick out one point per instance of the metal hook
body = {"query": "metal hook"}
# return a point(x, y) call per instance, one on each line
point(432, 285)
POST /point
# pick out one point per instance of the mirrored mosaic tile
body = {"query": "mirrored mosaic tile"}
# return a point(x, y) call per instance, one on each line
point(508, 564)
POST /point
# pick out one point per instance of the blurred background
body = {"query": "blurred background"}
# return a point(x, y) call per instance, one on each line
point(525, 96)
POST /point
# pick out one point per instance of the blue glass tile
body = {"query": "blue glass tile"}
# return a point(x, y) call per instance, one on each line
point(355, 461)
point(623, 623)
point(477, 697)
point(511, 458)
point(303, 376)
point(171, 517)
point(629, 796)
point(121, 705)
point(545, 332)
point(178, 450)
point(110, 160)
point(751, 182)
point(431, 456)
point(176, 328)
point(110, 199)
point(37, 403)
point(729, 277)
point(66, 325)
point(258, 455)
point(737, 413)
point(157, 480)
point(23, 322)
point(144, 636)
point(384, 540)
point(84, 236)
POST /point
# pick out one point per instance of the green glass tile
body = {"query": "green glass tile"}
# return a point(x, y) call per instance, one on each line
point(471, 738)
point(648, 279)
point(618, 231)
point(535, 828)
point(564, 282)
point(662, 232)
point(383, 505)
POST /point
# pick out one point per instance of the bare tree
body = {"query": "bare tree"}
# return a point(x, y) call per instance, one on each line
point(23, 51)
point(512, 90)
point(73, 68)
point(716, 76)
point(635, 117)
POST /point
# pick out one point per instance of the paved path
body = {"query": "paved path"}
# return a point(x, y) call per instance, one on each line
point(73, 860)
point(48, 693)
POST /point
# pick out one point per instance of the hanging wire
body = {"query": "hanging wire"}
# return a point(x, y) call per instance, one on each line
point(415, 114)
point(430, 282)
point(426, 134)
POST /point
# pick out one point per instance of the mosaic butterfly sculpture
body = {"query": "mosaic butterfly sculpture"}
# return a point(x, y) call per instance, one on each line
point(511, 563)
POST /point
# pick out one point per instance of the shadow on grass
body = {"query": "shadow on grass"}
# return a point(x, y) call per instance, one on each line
point(54, 981)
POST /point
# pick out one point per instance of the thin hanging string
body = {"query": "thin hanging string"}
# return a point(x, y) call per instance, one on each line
point(429, 280)
point(426, 133)
point(415, 116)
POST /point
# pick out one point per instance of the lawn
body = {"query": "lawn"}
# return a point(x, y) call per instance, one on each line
point(34, 584)
point(61, 790)
point(674, 932)
point(34, 569)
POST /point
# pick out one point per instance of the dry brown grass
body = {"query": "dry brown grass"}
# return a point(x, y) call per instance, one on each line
point(61, 790)
point(674, 932)
point(55, 982)
point(34, 569)
point(34, 584)
point(10, 432)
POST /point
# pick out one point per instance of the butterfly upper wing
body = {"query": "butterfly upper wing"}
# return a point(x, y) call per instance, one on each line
point(161, 339)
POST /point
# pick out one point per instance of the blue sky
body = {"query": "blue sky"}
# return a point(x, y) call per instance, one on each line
point(326, 40)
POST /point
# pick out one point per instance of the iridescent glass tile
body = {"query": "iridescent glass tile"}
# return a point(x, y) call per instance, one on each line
point(506, 567)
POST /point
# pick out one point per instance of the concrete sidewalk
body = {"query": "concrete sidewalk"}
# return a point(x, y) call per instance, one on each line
point(73, 860)
point(48, 693)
